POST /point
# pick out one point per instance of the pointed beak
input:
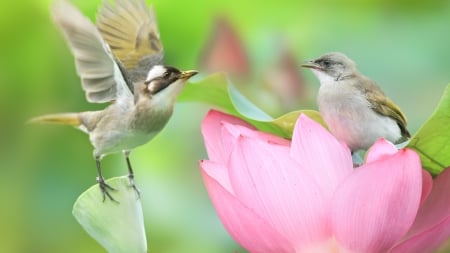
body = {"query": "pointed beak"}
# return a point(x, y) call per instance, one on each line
point(311, 65)
point(185, 75)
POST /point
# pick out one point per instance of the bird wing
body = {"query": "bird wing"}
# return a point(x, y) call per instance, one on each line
point(101, 77)
point(386, 107)
point(130, 29)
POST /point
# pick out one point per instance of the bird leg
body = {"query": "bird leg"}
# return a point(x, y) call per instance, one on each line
point(131, 174)
point(104, 187)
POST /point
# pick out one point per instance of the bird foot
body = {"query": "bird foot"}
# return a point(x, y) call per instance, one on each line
point(133, 185)
point(105, 188)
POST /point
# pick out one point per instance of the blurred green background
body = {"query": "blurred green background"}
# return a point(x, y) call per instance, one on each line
point(403, 45)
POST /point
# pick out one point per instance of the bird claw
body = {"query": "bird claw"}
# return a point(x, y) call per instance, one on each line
point(133, 185)
point(105, 188)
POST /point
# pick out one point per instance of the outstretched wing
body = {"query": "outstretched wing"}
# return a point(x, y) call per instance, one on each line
point(130, 29)
point(101, 77)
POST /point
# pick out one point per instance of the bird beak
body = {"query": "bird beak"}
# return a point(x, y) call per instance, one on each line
point(311, 64)
point(185, 75)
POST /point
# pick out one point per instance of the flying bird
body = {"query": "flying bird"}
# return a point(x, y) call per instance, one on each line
point(120, 62)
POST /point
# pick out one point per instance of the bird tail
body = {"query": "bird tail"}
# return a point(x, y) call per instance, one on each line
point(71, 119)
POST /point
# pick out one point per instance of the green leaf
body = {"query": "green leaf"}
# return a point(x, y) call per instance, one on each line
point(287, 121)
point(219, 92)
point(118, 227)
point(432, 141)
point(245, 107)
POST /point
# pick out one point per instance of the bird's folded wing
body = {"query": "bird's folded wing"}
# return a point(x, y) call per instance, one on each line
point(101, 77)
point(129, 27)
point(387, 107)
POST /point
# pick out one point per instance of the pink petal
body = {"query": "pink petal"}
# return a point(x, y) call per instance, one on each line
point(246, 227)
point(272, 138)
point(217, 172)
point(270, 183)
point(436, 206)
point(322, 155)
point(211, 130)
point(427, 241)
point(427, 185)
point(381, 149)
point(232, 132)
point(377, 205)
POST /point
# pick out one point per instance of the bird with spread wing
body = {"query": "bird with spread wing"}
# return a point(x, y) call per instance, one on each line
point(120, 61)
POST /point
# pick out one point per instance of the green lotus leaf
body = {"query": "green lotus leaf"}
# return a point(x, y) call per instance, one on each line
point(432, 141)
point(217, 91)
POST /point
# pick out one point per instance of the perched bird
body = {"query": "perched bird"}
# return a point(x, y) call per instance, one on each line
point(119, 61)
point(354, 107)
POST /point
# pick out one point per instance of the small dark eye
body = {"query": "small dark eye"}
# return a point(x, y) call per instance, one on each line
point(166, 74)
point(326, 63)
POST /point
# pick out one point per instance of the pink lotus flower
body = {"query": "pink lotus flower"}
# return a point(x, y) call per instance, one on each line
point(274, 195)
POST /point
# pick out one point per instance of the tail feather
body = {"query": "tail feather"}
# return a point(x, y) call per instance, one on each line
point(71, 119)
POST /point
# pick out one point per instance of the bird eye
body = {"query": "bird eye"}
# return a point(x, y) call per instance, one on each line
point(326, 63)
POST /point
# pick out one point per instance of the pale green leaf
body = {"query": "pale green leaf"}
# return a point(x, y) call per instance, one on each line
point(287, 121)
point(245, 107)
point(432, 141)
point(117, 226)
point(217, 91)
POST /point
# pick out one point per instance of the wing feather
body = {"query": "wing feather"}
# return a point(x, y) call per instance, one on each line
point(130, 29)
point(100, 75)
point(386, 107)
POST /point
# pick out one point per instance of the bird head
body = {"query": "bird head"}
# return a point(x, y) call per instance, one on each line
point(166, 82)
point(331, 66)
